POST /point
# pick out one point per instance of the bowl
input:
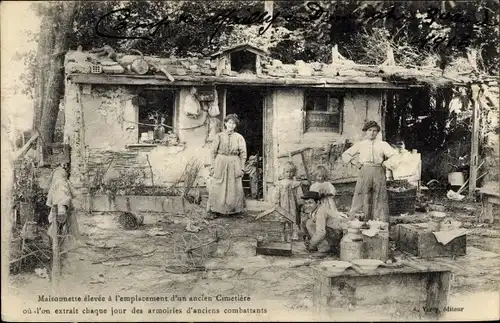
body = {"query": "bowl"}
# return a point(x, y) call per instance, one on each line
point(437, 216)
point(367, 264)
point(335, 266)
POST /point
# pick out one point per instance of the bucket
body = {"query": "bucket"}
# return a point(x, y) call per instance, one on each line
point(456, 178)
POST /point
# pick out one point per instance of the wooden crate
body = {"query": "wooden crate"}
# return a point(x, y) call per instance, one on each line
point(422, 243)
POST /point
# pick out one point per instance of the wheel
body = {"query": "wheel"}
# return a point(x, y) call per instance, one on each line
point(189, 250)
point(223, 241)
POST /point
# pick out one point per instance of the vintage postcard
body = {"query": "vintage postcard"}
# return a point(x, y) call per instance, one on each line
point(250, 161)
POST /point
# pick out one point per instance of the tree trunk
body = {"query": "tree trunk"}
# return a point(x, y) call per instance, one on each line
point(54, 74)
point(45, 43)
point(42, 62)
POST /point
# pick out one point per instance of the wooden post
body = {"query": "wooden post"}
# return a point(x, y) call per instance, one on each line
point(56, 254)
point(474, 141)
point(438, 289)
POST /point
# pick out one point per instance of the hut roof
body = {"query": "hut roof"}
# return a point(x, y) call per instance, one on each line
point(240, 47)
point(189, 71)
point(278, 209)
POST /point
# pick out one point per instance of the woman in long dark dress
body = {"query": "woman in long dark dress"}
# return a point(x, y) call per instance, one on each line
point(229, 154)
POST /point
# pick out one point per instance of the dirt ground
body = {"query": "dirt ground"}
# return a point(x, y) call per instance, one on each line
point(113, 261)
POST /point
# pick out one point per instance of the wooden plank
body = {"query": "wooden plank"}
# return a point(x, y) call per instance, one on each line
point(274, 248)
point(487, 209)
point(344, 180)
point(438, 288)
point(431, 266)
point(156, 80)
point(268, 169)
point(56, 255)
point(21, 152)
point(321, 292)
point(306, 168)
point(292, 153)
point(474, 154)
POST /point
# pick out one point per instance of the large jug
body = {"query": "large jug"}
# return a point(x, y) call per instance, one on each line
point(351, 245)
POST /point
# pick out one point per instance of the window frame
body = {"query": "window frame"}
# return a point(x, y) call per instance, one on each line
point(175, 110)
point(329, 94)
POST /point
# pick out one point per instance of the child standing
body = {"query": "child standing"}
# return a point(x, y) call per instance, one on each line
point(288, 193)
point(325, 188)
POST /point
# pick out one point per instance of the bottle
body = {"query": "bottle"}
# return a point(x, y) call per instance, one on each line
point(161, 130)
point(351, 245)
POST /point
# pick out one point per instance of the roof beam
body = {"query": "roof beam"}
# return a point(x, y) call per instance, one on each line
point(156, 80)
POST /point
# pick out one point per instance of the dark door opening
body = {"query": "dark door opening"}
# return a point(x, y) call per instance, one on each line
point(248, 104)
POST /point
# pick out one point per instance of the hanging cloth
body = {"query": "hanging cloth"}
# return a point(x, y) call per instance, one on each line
point(192, 105)
point(455, 104)
point(214, 127)
point(213, 109)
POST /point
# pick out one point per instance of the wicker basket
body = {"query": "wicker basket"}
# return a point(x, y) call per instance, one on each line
point(402, 202)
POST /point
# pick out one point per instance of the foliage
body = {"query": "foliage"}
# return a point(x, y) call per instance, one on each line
point(129, 182)
point(302, 30)
point(26, 188)
point(443, 29)
point(185, 28)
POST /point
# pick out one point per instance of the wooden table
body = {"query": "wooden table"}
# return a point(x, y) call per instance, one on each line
point(424, 289)
point(488, 197)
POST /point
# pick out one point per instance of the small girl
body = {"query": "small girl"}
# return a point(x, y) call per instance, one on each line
point(324, 187)
point(288, 193)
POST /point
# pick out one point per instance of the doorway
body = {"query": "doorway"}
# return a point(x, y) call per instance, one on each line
point(248, 104)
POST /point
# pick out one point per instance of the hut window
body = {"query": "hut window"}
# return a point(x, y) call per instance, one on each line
point(323, 111)
point(155, 106)
point(243, 62)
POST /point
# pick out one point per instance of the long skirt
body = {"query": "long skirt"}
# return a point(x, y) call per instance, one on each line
point(370, 194)
point(226, 194)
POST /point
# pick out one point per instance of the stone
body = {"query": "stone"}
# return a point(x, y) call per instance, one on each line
point(276, 73)
point(77, 68)
point(114, 69)
point(277, 62)
point(330, 70)
point(206, 72)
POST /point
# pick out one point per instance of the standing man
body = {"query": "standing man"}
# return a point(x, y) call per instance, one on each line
point(370, 194)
